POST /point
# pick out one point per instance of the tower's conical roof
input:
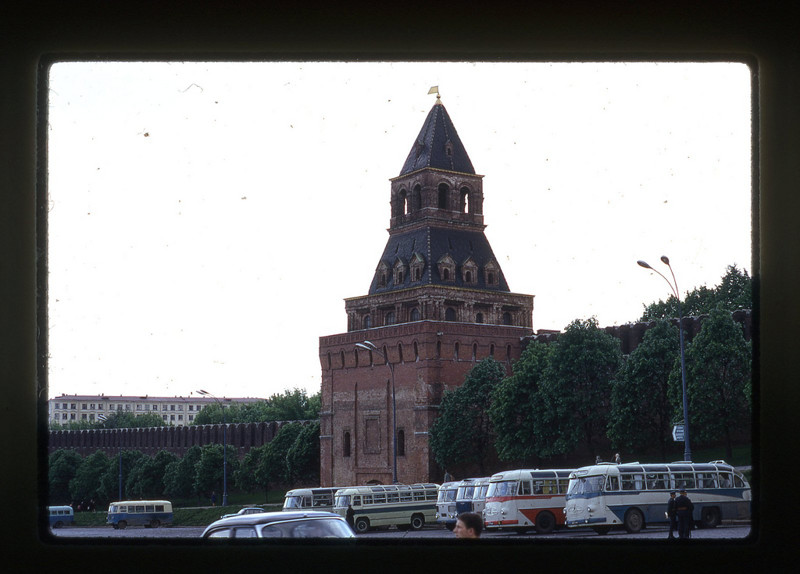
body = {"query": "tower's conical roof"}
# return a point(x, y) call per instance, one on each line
point(438, 145)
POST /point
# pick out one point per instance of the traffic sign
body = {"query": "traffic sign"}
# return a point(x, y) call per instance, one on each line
point(677, 433)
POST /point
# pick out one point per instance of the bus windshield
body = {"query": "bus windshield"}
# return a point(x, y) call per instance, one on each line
point(502, 488)
point(342, 501)
point(585, 485)
point(293, 502)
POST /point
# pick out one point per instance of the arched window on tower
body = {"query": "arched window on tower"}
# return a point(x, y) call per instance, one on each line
point(479, 318)
point(389, 318)
point(400, 351)
point(450, 314)
point(416, 352)
point(415, 315)
point(341, 357)
point(474, 351)
point(401, 442)
point(455, 351)
point(507, 318)
point(416, 198)
point(446, 274)
point(404, 204)
point(367, 323)
point(444, 191)
point(464, 203)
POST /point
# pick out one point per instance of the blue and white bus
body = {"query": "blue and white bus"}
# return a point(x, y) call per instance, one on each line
point(471, 495)
point(634, 495)
point(147, 513)
point(61, 516)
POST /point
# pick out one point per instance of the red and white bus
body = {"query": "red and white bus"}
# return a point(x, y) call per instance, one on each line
point(526, 499)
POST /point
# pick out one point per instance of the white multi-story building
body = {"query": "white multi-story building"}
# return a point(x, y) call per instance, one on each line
point(177, 411)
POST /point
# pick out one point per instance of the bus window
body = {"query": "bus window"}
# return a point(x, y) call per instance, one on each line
point(628, 481)
point(563, 485)
point(612, 482)
point(525, 487)
point(737, 481)
point(725, 479)
point(684, 479)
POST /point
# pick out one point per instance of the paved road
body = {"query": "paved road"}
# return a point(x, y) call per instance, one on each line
point(725, 531)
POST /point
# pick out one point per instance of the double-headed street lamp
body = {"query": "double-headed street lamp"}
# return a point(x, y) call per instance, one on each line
point(367, 346)
point(687, 450)
point(224, 447)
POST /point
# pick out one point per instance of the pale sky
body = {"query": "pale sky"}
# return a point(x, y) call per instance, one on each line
point(207, 220)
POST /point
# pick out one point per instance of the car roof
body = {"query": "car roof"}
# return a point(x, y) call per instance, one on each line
point(267, 517)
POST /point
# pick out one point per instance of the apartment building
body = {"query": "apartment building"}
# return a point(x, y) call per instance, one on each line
point(176, 411)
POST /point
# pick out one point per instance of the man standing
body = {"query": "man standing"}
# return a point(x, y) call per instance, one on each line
point(468, 525)
point(684, 508)
point(672, 515)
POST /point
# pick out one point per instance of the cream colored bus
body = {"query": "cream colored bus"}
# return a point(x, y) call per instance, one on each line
point(403, 505)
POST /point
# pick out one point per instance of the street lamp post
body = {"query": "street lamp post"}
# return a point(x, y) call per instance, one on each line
point(687, 450)
point(224, 448)
point(368, 346)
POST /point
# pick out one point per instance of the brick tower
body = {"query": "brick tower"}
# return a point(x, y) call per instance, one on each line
point(437, 304)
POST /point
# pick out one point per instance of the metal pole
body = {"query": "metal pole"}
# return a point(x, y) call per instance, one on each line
point(224, 458)
point(687, 450)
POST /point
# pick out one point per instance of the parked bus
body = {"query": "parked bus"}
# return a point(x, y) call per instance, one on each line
point(469, 497)
point(148, 513)
point(310, 498)
point(446, 504)
point(61, 516)
point(523, 499)
point(404, 505)
point(635, 495)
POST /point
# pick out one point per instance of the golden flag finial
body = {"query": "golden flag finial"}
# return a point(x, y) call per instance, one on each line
point(435, 90)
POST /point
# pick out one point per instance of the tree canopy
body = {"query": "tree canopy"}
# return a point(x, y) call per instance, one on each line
point(641, 411)
point(462, 433)
point(735, 291)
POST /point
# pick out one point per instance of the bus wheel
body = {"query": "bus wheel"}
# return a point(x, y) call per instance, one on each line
point(362, 525)
point(154, 523)
point(545, 522)
point(634, 521)
point(122, 524)
point(417, 522)
point(601, 529)
point(709, 518)
point(58, 524)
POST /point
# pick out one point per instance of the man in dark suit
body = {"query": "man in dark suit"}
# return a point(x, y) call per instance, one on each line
point(684, 508)
point(672, 515)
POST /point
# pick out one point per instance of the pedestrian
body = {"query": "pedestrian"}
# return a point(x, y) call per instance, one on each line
point(213, 498)
point(617, 459)
point(684, 508)
point(448, 477)
point(597, 459)
point(672, 515)
point(468, 525)
point(349, 515)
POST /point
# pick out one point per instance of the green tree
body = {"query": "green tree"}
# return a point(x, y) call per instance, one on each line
point(718, 372)
point(302, 458)
point(126, 419)
point(735, 291)
point(291, 405)
point(246, 477)
point(62, 467)
point(641, 411)
point(517, 409)
point(273, 468)
point(209, 469)
point(463, 433)
point(179, 475)
point(86, 485)
point(146, 480)
point(577, 385)
point(109, 480)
